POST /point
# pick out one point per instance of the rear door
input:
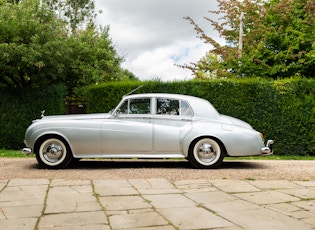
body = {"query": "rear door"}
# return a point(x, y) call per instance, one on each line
point(172, 120)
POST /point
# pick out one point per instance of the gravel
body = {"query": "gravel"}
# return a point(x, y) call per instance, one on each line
point(169, 169)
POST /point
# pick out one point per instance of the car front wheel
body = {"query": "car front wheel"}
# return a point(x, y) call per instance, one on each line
point(206, 153)
point(53, 153)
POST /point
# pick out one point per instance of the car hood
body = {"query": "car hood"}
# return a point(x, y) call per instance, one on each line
point(76, 117)
point(234, 121)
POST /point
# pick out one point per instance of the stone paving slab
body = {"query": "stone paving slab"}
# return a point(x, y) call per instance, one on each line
point(191, 186)
point(137, 220)
point(263, 219)
point(3, 183)
point(277, 184)
point(235, 186)
point(169, 201)
point(65, 199)
point(194, 218)
point(157, 204)
point(15, 224)
point(88, 220)
point(111, 203)
point(301, 193)
point(114, 188)
point(305, 183)
point(267, 197)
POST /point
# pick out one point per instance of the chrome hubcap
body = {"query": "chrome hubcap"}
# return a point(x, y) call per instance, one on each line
point(206, 152)
point(53, 152)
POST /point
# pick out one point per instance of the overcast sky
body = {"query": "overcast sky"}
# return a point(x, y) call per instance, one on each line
point(152, 35)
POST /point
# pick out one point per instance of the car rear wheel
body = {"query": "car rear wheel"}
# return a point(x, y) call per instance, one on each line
point(206, 153)
point(53, 153)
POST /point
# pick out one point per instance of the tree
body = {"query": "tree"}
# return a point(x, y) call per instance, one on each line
point(36, 48)
point(31, 44)
point(90, 58)
point(74, 12)
point(278, 39)
point(209, 66)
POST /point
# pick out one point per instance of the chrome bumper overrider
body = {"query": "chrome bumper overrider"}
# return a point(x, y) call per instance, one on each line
point(267, 150)
point(27, 151)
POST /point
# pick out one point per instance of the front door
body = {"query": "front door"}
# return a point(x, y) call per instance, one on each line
point(130, 130)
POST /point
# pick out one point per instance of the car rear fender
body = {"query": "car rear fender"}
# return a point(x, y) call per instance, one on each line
point(203, 131)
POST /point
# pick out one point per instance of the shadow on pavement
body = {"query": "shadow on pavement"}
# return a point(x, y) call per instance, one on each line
point(171, 164)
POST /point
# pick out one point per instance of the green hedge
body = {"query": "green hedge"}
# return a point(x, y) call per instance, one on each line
point(18, 107)
point(284, 110)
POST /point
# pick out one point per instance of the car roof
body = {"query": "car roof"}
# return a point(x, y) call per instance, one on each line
point(168, 95)
point(200, 106)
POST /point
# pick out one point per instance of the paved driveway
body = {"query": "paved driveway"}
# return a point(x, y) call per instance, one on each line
point(158, 195)
point(156, 204)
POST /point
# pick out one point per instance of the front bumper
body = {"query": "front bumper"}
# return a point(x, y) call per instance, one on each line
point(267, 150)
point(27, 150)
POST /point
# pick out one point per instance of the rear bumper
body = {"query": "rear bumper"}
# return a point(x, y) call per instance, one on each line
point(267, 150)
point(27, 151)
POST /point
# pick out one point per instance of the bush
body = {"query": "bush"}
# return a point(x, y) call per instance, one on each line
point(284, 110)
point(18, 107)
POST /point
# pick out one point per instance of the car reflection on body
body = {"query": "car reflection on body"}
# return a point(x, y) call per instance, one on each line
point(145, 126)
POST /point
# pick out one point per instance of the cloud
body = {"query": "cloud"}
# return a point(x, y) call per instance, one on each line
point(152, 35)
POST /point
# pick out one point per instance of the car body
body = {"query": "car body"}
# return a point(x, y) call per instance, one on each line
point(145, 126)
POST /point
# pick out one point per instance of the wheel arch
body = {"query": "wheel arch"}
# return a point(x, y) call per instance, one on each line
point(196, 139)
point(44, 137)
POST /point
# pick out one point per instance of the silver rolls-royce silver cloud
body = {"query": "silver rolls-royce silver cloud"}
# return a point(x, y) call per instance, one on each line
point(145, 126)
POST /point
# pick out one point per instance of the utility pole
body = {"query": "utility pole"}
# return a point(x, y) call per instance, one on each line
point(240, 40)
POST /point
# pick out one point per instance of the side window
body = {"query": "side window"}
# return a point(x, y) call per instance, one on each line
point(139, 106)
point(185, 109)
point(135, 106)
point(167, 106)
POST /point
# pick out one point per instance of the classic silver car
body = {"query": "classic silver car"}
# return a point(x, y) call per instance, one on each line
point(145, 126)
